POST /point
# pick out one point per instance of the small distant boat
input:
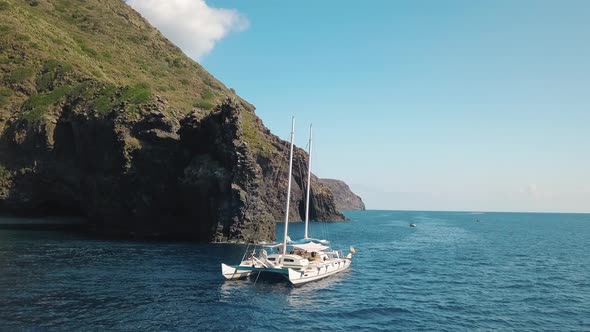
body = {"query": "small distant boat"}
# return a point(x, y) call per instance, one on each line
point(412, 225)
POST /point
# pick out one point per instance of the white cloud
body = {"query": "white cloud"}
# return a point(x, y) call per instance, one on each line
point(537, 192)
point(191, 24)
point(531, 189)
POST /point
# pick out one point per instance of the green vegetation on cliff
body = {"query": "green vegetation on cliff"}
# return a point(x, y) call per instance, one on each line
point(253, 135)
point(48, 48)
point(101, 116)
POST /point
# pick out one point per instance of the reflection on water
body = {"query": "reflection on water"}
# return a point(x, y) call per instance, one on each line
point(508, 272)
point(305, 295)
point(231, 290)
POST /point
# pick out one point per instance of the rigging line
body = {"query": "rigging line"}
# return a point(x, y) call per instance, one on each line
point(307, 186)
point(317, 225)
point(278, 170)
point(302, 178)
point(280, 156)
point(245, 253)
point(312, 211)
point(275, 175)
point(304, 186)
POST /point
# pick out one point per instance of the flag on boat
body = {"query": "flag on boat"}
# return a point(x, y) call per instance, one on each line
point(352, 250)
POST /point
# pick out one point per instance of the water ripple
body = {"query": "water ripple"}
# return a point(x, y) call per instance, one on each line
point(450, 273)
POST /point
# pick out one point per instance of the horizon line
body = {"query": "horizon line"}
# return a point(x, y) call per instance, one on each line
point(472, 211)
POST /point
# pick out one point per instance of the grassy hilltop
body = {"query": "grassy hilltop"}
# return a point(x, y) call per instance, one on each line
point(104, 118)
point(49, 50)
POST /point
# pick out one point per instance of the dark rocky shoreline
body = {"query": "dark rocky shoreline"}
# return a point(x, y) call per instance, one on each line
point(112, 123)
point(194, 178)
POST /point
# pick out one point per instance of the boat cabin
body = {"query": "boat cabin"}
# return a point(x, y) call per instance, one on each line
point(298, 256)
point(291, 261)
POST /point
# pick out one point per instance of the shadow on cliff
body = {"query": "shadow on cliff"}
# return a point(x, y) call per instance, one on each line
point(150, 175)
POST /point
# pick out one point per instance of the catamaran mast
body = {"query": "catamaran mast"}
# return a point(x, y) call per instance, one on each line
point(289, 188)
point(308, 185)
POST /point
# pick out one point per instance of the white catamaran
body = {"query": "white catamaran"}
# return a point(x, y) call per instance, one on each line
point(298, 261)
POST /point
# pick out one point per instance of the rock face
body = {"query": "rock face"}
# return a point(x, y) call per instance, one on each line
point(77, 139)
point(196, 178)
point(344, 198)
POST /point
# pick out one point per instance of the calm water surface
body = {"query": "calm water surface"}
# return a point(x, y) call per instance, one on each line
point(509, 271)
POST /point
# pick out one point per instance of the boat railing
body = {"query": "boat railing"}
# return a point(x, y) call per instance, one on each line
point(246, 252)
point(263, 263)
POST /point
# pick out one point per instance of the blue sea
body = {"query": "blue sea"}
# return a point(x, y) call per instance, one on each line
point(454, 271)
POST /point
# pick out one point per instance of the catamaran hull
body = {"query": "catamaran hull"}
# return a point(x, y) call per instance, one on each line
point(295, 276)
point(299, 277)
point(232, 273)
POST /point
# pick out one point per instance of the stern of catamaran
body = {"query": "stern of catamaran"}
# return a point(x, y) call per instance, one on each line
point(233, 273)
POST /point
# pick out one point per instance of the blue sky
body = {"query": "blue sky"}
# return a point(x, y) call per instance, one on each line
point(428, 105)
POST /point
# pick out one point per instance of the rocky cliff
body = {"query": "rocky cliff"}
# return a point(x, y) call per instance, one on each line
point(102, 117)
point(344, 198)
